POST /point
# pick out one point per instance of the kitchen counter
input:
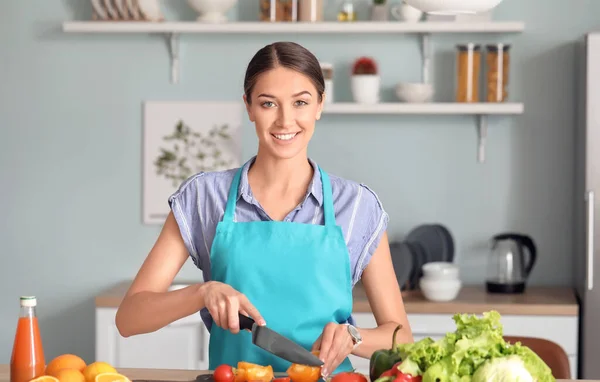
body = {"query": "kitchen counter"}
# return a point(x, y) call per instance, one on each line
point(550, 301)
point(161, 374)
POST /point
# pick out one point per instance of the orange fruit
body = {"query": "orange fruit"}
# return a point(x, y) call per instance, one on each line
point(45, 378)
point(70, 375)
point(93, 369)
point(64, 361)
point(111, 377)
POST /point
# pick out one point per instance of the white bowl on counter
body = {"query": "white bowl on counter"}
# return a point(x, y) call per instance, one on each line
point(440, 281)
point(440, 290)
point(440, 270)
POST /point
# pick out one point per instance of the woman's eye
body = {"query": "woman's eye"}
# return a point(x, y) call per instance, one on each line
point(301, 103)
point(268, 104)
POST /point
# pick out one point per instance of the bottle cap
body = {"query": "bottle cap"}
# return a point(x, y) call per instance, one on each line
point(28, 301)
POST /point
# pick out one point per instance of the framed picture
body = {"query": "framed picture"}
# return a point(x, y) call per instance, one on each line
point(182, 139)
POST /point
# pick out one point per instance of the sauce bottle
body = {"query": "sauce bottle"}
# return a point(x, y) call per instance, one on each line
point(27, 361)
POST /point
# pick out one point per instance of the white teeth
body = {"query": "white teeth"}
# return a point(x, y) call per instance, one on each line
point(285, 137)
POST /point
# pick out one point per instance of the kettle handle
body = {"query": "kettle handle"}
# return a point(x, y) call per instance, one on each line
point(527, 242)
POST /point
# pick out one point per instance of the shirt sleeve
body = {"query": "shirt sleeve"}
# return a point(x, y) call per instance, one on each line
point(184, 204)
point(370, 222)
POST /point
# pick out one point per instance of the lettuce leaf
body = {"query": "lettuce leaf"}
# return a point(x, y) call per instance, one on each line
point(459, 355)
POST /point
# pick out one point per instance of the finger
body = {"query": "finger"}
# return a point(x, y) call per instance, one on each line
point(343, 347)
point(317, 344)
point(326, 342)
point(214, 313)
point(339, 348)
point(223, 315)
point(232, 315)
point(252, 311)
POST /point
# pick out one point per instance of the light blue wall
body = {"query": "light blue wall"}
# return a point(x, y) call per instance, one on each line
point(70, 148)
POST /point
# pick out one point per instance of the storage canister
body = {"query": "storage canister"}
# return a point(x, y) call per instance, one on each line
point(468, 63)
point(497, 65)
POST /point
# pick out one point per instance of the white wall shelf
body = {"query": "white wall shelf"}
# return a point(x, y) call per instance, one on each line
point(440, 108)
point(173, 30)
point(481, 110)
point(291, 27)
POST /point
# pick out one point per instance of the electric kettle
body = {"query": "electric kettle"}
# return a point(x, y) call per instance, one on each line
point(508, 266)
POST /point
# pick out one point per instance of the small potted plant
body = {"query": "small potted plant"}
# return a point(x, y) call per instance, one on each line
point(365, 81)
point(379, 10)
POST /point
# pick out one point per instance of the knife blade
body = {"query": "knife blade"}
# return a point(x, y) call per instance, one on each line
point(276, 344)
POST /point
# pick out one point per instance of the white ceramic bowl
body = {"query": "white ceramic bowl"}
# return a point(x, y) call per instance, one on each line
point(212, 11)
point(414, 92)
point(440, 270)
point(440, 290)
point(453, 7)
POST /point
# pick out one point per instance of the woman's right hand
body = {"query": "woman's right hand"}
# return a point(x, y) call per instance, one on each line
point(224, 303)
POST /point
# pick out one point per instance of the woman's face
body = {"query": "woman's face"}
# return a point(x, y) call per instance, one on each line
point(284, 108)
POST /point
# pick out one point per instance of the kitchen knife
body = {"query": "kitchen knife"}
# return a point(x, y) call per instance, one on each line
point(276, 344)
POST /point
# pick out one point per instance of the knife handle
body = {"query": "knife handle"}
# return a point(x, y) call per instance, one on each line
point(245, 322)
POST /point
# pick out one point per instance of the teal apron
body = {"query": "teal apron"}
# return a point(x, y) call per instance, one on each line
point(296, 275)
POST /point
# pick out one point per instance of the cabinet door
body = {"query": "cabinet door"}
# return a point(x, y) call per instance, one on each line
point(180, 345)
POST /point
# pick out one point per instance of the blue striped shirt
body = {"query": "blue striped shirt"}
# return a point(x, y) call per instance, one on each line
point(199, 204)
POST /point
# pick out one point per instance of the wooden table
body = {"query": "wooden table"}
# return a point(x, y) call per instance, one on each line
point(158, 374)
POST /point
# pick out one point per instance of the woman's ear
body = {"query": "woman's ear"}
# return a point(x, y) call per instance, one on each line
point(248, 109)
point(320, 108)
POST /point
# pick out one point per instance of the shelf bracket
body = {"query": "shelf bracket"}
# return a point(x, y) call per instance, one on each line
point(173, 42)
point(482, 127)
point(426, 56)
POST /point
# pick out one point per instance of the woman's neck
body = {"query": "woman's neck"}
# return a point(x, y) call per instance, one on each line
point(280, 176)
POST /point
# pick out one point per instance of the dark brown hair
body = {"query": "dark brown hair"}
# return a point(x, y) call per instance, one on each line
point(288, 55)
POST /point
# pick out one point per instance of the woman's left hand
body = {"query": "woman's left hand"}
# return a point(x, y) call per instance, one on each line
point(334, 345)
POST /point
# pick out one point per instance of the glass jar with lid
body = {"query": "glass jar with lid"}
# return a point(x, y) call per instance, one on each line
point(278, 10)
point(468, 70)
point(497, 66)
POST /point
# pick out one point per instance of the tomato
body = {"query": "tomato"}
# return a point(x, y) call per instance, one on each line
point(349, 377)
point(282, 379)
point(224, 373)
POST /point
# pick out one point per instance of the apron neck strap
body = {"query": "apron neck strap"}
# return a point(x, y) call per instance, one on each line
point(232, 198)
point(328, 211)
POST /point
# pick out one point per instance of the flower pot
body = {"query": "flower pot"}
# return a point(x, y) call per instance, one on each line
point(365, 88)
point(379, 12)
point(212, 11)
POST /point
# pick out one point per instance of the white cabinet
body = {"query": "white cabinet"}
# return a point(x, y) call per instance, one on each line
point(180, 345)
point(184, 343)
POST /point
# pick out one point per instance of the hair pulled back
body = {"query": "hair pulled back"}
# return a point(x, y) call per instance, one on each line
point(288, 55)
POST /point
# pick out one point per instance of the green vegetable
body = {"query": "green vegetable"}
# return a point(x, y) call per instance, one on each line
point(384, 359)
point(474, 352)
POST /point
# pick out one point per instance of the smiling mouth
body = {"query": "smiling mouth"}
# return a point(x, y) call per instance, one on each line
point(285, 137)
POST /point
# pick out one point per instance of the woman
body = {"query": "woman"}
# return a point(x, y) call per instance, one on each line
point(277, 239)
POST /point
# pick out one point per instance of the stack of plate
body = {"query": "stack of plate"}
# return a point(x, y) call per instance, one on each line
point(424, 244)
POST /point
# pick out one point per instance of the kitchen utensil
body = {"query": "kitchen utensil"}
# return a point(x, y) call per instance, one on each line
point(402, 260)
point(277, 344)
point(508, 269)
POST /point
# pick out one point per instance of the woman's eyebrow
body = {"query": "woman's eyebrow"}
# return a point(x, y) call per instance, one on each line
point(293, 95)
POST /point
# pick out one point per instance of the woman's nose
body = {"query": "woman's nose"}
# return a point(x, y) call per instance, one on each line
point(286, 116)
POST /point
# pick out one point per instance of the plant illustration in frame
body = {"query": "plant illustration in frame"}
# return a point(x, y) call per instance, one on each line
point(190, 152)
point(181, 139)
